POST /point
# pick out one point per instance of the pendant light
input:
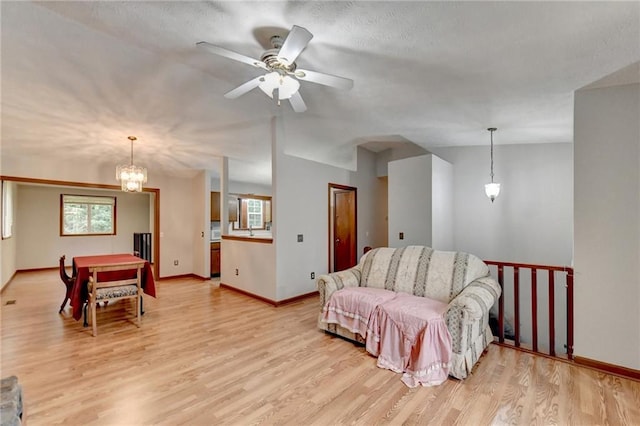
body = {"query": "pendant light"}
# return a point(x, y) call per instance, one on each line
point(492, 189)
point(132, 177)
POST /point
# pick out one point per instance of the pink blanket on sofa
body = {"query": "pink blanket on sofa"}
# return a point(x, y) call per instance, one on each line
point(352, 307)
point(409, 335)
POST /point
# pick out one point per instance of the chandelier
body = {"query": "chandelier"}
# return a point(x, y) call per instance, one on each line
point(492, 189)
point(132, 177)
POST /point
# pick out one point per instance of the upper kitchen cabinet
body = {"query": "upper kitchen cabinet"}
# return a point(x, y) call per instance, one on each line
point(215, 207)
point(233, 208)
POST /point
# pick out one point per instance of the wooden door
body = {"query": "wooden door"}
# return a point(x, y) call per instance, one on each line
point(344, 230)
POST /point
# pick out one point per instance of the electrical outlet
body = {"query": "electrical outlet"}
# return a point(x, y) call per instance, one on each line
point(401, 236)
point(299, 238)
point(175, 262)
point(236, 271)
point(313, 275)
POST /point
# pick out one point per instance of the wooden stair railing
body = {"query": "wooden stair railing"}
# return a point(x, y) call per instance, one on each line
point(567, 273)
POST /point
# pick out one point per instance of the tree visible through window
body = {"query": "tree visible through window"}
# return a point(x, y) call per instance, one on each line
point(87, 215)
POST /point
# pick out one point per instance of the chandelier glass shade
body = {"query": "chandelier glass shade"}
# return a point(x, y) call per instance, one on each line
point(131, 177)
point(492, 189)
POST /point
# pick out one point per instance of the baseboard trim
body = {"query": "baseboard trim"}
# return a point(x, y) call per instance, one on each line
point(296, 298)
point(8, 282)
point(48, 268)
point(246, 293)
point(274, 303)
point(175, 277)
point(617, 370)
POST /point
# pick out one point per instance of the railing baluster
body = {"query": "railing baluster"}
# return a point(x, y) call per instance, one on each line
point(516, 302)
point(517, 343)
point(534, 308)
point(552, 315)
point(570, 313)
point(501, 305)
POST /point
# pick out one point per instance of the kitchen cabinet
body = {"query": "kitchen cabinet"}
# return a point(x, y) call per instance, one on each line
point(215, 259)
point(215, 207)
point(233, 208)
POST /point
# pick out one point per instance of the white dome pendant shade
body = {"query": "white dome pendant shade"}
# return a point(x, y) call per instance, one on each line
point(492, 189)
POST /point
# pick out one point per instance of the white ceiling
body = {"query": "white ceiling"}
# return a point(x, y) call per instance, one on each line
point(79, 77)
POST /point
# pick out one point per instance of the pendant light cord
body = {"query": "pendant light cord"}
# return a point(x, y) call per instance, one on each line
point(133, 138)
point(492, 129)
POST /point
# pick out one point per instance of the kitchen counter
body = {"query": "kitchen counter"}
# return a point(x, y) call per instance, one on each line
point(265, 239)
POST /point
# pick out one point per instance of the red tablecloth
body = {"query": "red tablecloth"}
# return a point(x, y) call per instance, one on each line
point(81, 266)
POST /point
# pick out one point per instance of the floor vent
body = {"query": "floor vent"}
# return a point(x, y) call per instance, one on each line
point(10, 302)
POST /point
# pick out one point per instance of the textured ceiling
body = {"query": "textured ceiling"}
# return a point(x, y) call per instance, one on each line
point(79, 77)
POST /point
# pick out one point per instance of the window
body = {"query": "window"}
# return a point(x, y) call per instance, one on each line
point(87, 215)
point(254, 213)
point(7, 209)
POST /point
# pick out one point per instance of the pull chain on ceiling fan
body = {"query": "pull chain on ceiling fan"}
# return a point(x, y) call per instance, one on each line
point(282, 78)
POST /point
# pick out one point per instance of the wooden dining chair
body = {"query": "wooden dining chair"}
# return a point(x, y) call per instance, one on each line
point(106, 291)
point(68, 282)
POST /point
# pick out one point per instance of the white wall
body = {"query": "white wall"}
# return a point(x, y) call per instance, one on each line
point(441, 203)
point(201, 216)
point(39, 244)
point(371, 218)
point(8, 246)
point(410, 201)
point(420, 202)
point(300, 194)
point(177, 224)
point(607, 224)
point(400, 151)
point(531, 221)
point(256, 265)
point(381, 238)
point(236, 187)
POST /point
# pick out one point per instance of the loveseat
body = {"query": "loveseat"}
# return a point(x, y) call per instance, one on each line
point(460, 280)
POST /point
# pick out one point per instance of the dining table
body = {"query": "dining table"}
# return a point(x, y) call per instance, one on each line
point(81, 265)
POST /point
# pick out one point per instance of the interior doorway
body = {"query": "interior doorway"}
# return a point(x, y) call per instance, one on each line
point(343, 227)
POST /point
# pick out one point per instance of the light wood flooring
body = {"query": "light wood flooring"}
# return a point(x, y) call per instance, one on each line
point(208, 356)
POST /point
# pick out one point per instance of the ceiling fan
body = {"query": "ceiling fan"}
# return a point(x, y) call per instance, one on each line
point(281, 80)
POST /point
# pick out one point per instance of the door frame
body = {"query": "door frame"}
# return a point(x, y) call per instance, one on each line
point(333, 187)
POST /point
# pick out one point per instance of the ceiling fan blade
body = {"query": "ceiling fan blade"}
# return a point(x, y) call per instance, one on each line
point(244, 88)
point(324, 79)
point(297, 103)
point(230, 54)
point(295, 43)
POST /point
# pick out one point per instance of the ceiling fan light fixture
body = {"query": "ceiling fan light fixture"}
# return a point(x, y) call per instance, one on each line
point(287, 86)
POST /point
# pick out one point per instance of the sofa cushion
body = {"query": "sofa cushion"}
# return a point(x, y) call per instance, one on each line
point(421, 271)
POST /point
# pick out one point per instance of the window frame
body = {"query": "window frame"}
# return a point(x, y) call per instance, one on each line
point(242, 222)
point(89, 204)
point(259, 204)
